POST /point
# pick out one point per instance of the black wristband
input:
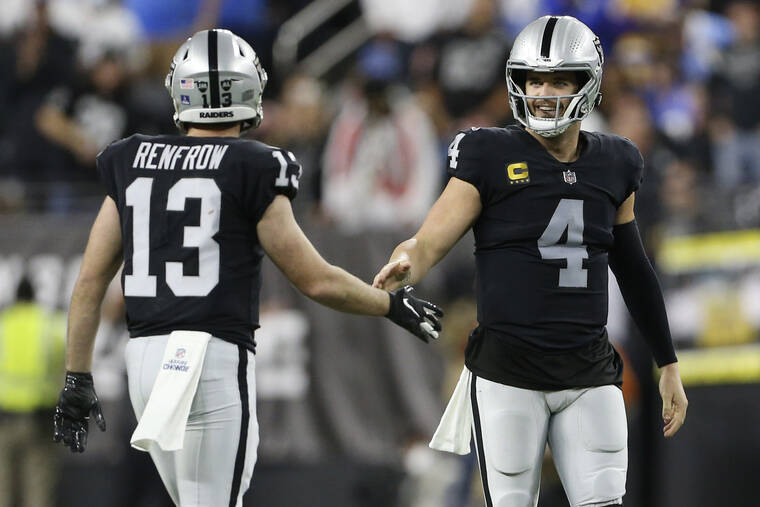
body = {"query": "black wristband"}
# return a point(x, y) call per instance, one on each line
point(80, 374)
point(74, 377)
point(641, 291)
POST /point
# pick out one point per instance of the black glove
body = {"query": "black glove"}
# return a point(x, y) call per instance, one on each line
point(77, 401)
point(417, 316)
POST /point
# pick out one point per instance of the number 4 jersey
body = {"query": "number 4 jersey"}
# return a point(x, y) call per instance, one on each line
point(541, 245)
point(188, 208)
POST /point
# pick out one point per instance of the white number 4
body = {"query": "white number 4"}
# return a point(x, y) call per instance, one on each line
point(454, 150)
point(568, 216)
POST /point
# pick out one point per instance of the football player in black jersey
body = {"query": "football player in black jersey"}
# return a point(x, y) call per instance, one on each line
point(191, 218)
point(551, 207)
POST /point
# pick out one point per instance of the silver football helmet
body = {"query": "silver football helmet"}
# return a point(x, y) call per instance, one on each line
point(548, 44)
point(216, 77)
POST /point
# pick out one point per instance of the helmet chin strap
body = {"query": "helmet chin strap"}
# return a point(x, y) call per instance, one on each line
point(553, 132)
point(535, 124)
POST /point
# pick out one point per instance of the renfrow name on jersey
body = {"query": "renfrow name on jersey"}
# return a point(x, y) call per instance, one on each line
point(169, 157)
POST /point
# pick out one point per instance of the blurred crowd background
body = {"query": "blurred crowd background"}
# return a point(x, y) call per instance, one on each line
point(368, 94)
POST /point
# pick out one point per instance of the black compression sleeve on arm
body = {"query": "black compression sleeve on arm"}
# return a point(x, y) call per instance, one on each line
point(641, 291)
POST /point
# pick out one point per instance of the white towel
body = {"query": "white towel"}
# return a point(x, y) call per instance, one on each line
point(165, 416)
point(455, 429)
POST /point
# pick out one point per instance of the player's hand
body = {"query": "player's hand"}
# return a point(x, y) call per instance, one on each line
point(75, 405)
point(392, 275)
point(674, 400)
point(417, 316)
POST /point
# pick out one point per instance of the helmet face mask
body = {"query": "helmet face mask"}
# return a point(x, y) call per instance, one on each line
point(555, 44)
point(216, 77)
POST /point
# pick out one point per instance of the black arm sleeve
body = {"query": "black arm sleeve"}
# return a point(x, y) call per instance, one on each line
point(641, 291)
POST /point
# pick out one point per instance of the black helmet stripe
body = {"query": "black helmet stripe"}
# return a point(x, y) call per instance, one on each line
point(213, 67)
point(546, 42)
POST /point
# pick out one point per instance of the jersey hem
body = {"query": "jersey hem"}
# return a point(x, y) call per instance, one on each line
point(249, 342)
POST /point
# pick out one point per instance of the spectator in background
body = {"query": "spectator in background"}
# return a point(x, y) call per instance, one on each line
point(82, 119)
point(735, 97)
point(31, 366)
point(705, 35)
point(680, 194)
point(381, 159)
point(630, 118)
point(673, 104)
point(176, 19)
point(648, 69)
point(413, 21)
point(466, 71)
point(106, 28)
point(300, 122)
point(33, 61)
point(633, 57)
point(167, 23)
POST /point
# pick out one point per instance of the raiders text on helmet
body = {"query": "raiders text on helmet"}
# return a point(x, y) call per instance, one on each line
point(555, 43)
point(216, 76)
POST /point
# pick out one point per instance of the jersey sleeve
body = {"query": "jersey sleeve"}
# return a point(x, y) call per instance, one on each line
point(105, 169)
point(281, 176)
point(635, 164)
point(464, 160)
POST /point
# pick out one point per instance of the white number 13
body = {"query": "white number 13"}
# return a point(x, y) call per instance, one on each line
point(142, 284)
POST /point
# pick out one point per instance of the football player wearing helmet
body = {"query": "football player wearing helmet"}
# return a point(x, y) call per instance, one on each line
point(191, 218)
point(551, 208)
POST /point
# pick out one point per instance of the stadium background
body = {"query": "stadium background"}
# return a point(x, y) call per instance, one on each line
point(368, 94)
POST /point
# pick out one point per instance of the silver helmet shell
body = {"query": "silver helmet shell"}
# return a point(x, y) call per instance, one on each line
point(551, 44)
point(216, 77)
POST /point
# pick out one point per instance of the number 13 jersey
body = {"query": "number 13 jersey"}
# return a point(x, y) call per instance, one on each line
point(541, 245)
point(188, 208)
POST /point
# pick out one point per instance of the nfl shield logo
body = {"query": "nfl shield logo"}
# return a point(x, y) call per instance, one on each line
point(569, 176)
point(226, 84)
point(180, 353)
point(185, 99)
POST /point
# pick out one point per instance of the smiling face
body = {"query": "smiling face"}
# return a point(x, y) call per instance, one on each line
point(547, 84)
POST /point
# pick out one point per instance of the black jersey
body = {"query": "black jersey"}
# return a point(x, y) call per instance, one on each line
point(188, 208)
point(541, 243)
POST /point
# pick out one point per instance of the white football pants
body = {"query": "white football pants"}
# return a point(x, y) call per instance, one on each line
point(586, 430)
point(215, 465)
